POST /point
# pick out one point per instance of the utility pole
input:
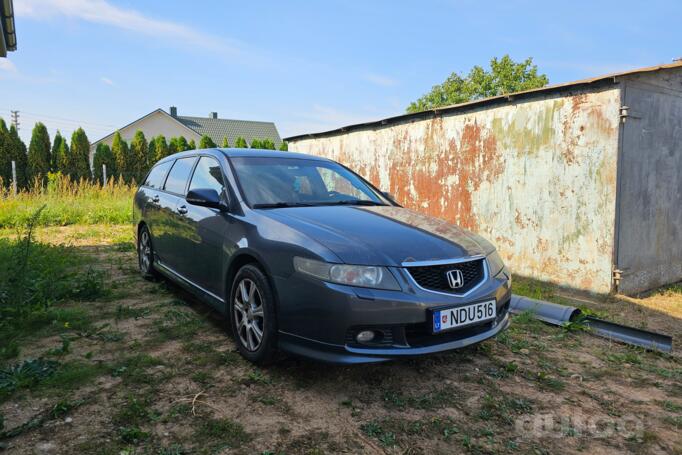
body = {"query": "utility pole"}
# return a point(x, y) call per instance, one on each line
point(14, 177)
point(15, 119)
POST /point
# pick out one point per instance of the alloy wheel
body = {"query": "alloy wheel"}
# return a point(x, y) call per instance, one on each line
point(145, 251)
point(249, 315)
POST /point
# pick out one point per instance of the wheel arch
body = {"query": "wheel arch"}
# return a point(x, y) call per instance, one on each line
point(239, 260)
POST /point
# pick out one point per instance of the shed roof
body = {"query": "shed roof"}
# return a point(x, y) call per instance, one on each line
point(8, 33)
point(482, 102)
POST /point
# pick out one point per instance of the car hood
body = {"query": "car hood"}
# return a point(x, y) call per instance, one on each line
point(381, 235)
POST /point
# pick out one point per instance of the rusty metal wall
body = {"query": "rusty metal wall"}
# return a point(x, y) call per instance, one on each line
point(538, 177)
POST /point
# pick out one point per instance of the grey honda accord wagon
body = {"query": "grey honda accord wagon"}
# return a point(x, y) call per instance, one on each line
point(304, 256)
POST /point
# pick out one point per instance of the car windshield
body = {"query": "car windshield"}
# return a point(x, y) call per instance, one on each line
point(292, 182)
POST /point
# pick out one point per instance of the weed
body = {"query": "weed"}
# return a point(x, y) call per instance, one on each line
point(127, 312)
point(133, 370)
point(224, 431)
point(202, 377)
point(9, 350)
point(433, 399)
point(393, 431)
point(503, 407)
point(675, 421)
point(72, 375)
point(25, 374)
point(65, 348)
point(671, 407)
point(255, 377)
point(132, 435)
point(549, 381)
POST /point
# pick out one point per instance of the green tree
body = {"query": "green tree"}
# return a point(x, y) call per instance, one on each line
point(139, 151)
point(240, 143)
point(206, 142)
point(39, 153)
point(122, 158)
point(79, 157)
point(103, 156)
point(192, 145)
point(54, 154)
point(267, 144)
point(161, 147)
point(505, 76)
point(256, 144)
point(226, 143)
point(5, 162)
point(17, 153)
point(61, 156)
point(151, 151)
point(173, 146)
point(284, 146)
point(183, 145)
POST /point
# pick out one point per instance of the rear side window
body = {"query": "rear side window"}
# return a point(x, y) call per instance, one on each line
point(157, 175)
point(207, 175)
point(179, 174)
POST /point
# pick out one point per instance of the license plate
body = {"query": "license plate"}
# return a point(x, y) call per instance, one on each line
point(452, 318)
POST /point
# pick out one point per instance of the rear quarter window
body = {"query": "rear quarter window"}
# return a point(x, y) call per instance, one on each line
point(179, 175)
point(157, 175)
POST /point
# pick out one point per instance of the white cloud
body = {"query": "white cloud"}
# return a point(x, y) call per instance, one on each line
point(7, 65)
point(102, 12)
point(378, 79)
point(107, 81)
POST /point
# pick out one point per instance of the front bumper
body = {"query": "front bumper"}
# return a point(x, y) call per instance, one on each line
point(319, 320)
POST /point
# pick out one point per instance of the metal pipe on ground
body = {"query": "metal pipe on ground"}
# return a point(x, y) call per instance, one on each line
point(562, 315)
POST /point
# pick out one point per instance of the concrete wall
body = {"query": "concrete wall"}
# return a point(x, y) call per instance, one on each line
point(650, 194)
point(538, 177)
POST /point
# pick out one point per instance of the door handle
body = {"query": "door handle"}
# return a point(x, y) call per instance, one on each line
point(155, 198)
point(182, 209)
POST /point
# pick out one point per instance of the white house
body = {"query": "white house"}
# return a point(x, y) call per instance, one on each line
point(173, 125)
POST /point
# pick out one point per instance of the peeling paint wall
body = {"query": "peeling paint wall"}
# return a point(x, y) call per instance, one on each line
point(538, 178)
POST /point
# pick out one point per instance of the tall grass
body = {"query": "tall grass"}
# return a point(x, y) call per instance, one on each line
point(67, 202)
point(33, 278)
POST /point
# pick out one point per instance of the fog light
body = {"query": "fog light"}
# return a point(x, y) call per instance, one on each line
point(365, 336)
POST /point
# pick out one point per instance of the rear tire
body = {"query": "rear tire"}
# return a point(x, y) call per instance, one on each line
point(252, 315)
point(145, 255)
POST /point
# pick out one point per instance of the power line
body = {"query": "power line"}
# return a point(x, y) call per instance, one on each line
point(63, 119)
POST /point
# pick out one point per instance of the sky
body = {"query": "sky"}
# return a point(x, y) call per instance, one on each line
point(306, 65)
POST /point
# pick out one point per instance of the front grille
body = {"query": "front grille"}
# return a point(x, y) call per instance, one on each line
point(434, 277)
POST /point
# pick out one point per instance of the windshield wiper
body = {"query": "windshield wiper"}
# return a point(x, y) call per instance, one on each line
point(275, 205)
point(354, 202)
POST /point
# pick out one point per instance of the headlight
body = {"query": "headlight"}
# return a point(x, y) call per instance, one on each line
point(353, 275)
point(495, 263)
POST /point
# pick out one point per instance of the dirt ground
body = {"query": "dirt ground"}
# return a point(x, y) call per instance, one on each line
point(156, 373)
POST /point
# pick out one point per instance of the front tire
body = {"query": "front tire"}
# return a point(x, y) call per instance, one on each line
point(145, 255)
point(252, 315)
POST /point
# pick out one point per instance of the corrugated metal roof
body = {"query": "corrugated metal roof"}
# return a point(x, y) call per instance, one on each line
point(495, 99)
point(217, 129)
point(8, 33)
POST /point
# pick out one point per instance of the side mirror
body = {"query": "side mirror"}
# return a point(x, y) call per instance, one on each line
point(388, 195)
point(206, 197)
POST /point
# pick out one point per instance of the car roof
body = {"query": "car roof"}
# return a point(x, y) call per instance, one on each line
point(239, 152)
